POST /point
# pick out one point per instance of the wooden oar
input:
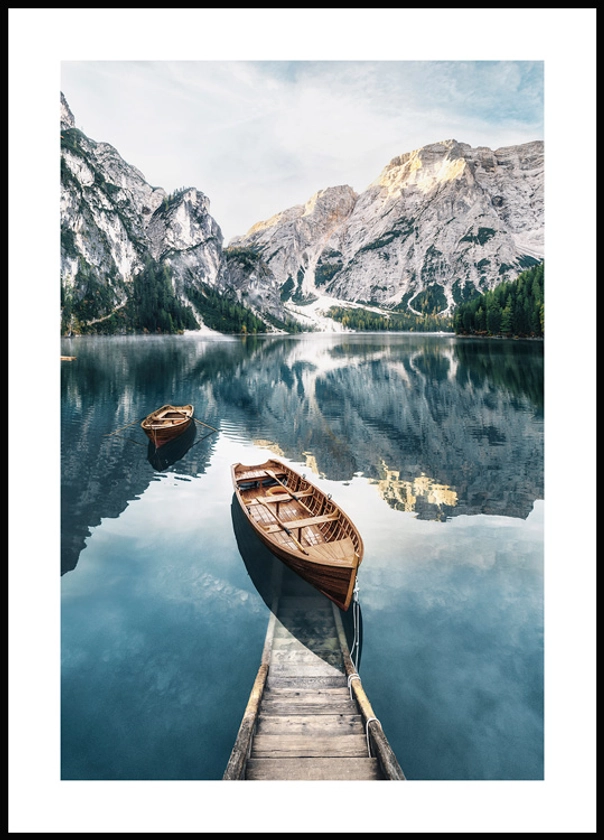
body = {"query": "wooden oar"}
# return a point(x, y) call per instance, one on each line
point(205, 424)
point(122, 429)
point(281, 524)
point(272, 475)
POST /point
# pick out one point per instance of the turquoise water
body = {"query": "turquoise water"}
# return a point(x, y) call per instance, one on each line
point(434, 446)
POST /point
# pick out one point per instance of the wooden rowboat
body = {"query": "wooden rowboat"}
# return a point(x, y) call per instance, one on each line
point(167, 422)
point(302, 526)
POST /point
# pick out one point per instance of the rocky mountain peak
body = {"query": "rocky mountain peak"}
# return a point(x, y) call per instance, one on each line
point(423, 168)
point(335, 203)
point(113, 223)
point(67, 120)
point(438, 225)
point(291, 243)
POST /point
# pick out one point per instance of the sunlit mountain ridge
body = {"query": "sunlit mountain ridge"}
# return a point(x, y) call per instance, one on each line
point(439, 225)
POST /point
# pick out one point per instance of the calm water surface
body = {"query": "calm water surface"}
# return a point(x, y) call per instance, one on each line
point(433, 444)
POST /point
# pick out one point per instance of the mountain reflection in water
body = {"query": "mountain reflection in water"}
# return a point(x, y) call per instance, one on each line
point(432, 444)
point(443, 426)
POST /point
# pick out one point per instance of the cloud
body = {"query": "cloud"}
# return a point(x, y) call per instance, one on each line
point(260, 136)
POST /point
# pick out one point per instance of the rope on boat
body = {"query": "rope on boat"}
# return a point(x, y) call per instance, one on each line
point(369, 720)
point(350, 679)
point(356, 608)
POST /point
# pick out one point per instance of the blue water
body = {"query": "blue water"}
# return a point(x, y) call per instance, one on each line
point(434, 446)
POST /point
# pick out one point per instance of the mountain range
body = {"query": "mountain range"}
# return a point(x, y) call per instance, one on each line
point(438, 225)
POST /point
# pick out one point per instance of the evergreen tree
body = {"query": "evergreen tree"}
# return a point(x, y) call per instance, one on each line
point(506, 320)
point(513, 308)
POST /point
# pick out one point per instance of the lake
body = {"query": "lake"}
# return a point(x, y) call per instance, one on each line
point(433, 444)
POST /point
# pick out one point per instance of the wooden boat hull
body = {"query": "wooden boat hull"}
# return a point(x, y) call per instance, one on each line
point(302, 526)
point(167, 423)
point(163, 457)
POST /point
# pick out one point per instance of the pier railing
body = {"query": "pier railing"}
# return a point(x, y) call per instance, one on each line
point(235, 768)
point(376, 739)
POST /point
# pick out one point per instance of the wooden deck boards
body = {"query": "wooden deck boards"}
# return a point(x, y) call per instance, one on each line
point(307, 724)
point(317, 768)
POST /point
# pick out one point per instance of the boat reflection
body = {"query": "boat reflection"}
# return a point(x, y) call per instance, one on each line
point(169, 453)
point(273, 579)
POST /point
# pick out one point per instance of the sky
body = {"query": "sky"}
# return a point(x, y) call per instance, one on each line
point(258, 137)
point(262, 132)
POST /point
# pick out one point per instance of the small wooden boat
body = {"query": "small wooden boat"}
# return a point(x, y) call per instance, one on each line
point(167, 422)
point(302, 526)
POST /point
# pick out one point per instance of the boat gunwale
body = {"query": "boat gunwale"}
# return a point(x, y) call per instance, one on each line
point(285, 552)
point(184, 414)
point(290, 470)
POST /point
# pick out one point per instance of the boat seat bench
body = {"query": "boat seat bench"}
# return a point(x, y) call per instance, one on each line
point(293, 524)
point(287, 497)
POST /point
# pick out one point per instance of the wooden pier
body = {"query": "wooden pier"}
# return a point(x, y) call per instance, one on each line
point(308, 717)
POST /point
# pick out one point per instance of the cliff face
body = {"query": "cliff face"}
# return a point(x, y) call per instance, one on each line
point(438, 224)
point(113, 222)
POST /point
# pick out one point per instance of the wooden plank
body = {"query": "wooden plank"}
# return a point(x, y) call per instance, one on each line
point(318, 646)
point(300, 624)
point(286, 647)
point(321, 669)
point(294, 524)
point(294, 494)
point(307, 657)
point(311, 725)
point(298, 746)
point(284, 701)
point(286, 497)
point(281, 706)
point(305, 632)
point(281, 526)
point(290, 619)
point(313, 642)
point(305, 682)
point(304, 602)
point(301, 695)
point(309, 722)
point(317, 769)
point(300, 611)
point(336, 551)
